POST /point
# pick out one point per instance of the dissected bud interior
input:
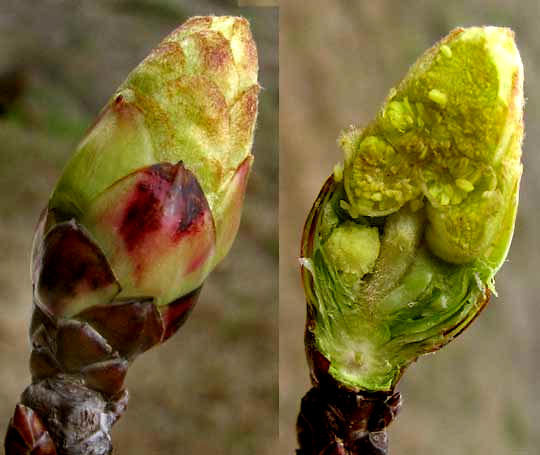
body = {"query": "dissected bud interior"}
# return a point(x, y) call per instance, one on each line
point(401, 251)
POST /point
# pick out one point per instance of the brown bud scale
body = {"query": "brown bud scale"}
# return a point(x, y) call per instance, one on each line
point(78, 368)
point(337, 421)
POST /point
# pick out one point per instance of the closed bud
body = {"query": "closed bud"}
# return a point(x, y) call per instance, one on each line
point(151, 200)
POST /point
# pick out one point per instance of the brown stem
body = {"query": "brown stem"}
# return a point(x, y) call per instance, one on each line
point(78, 368)
point(64, 410)
point(337, 421)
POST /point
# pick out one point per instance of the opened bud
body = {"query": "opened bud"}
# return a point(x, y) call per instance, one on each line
point(400, 251)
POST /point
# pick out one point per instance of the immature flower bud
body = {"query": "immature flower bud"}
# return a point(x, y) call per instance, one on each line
point(144, 210)
point(157, 184)
point(426, 206)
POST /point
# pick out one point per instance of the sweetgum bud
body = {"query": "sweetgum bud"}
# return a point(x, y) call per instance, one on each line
point(153, 194)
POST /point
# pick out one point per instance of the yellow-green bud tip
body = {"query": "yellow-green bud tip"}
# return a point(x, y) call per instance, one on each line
point(450, 131)
point(436, 175)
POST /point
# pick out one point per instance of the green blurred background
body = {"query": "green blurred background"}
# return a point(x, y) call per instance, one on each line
point(338, 60)
point(213, 387)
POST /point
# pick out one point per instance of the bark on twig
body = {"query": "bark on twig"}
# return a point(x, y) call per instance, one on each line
point(335, 421)
point(78, 368)
point(64, 410)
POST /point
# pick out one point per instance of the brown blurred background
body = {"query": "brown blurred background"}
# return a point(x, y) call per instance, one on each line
point(338, 60)
point(213, 387)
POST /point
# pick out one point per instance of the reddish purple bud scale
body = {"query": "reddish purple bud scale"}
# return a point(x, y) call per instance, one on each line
point(43, 364)
point(27, 435)
point(106, 377)
point(142, 216)
point(129, 327)
point(78, 344)
point(100, 341)
point(176, 313)
point(70, 267)
point(164, 195)
point(156, 229)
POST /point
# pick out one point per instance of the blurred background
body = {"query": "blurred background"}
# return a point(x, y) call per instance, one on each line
point(338, 60)
point(212, 388)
